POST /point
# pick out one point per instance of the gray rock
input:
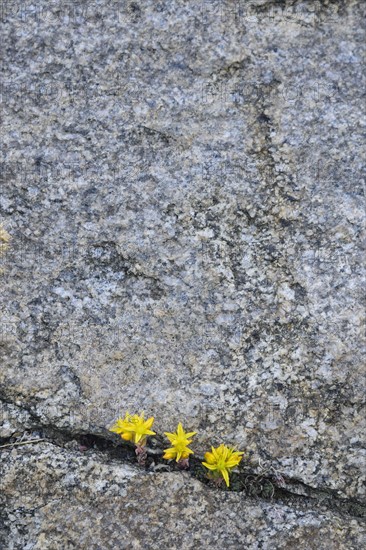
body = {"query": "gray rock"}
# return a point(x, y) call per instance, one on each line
point(60, 499)
point(182, 187)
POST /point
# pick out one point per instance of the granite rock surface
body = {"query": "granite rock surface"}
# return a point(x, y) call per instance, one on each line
point(183, 190)
point(58, 498)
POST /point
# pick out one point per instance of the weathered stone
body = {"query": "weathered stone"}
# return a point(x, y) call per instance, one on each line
point(58, 498)
point(181, 183)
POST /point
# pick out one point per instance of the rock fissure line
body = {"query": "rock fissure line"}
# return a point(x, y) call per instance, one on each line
point(267, 486)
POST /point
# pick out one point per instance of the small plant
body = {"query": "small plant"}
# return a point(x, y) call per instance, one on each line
point(220, 462)
point(179, 449)
point(136, 429)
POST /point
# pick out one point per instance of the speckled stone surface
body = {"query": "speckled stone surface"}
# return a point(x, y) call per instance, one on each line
point(182, 186)
point(59, 499)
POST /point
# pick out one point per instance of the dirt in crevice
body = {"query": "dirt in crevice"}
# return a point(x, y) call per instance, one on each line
point(270, 486)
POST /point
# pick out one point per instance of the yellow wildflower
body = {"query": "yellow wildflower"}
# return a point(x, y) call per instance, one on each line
point(180, 441)
point(222, 460)
point(134, 428)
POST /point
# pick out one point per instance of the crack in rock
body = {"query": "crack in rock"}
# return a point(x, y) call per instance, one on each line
point(271, 486)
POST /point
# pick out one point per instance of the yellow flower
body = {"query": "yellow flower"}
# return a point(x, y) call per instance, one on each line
point(134, 428)
point(180, 441)
point(222, 460)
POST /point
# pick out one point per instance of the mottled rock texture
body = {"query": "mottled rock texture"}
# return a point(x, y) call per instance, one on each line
point(59, 499)
point(182, 185)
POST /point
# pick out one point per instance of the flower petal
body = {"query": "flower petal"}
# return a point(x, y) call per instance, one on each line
point(232, 462)
point(170, 450)
point(149, 422)
point(138, 437)
point(169, 455)
point(225, 475)
point(209, 466)
point(209, 457)
point(216, 452)
point(225, 452)
point(116, 429)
